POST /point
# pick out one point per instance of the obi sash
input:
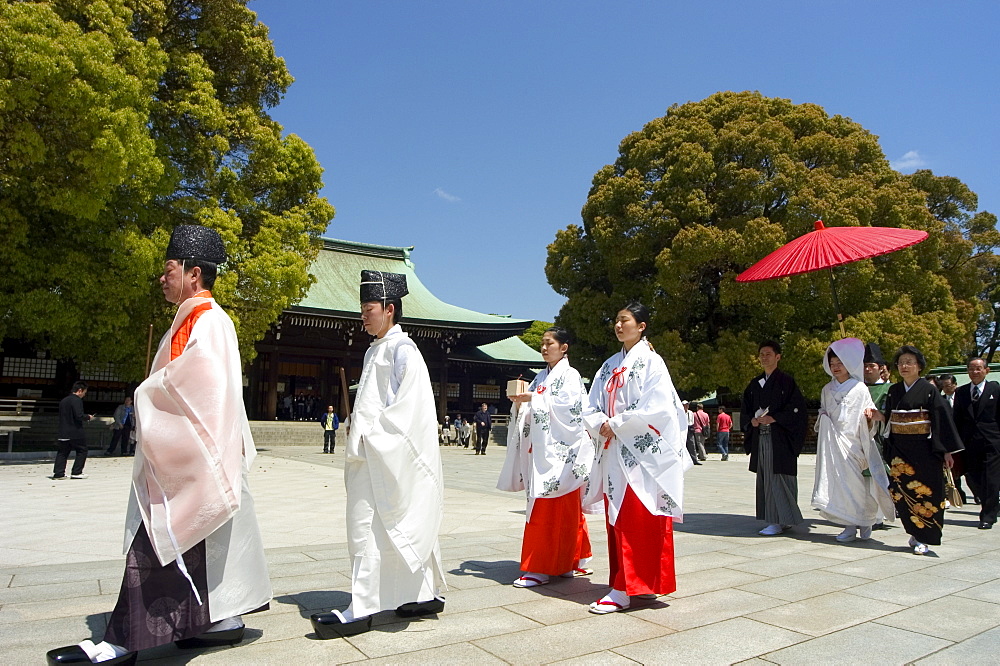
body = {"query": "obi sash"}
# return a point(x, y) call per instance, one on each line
point(910, 422)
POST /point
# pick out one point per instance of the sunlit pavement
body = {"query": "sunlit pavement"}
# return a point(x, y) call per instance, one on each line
point(796, 598)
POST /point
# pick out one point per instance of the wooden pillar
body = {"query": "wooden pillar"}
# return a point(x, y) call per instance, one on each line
point(443, 395)
point(271, 401)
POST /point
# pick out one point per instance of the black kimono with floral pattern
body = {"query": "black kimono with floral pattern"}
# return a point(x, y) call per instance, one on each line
point(916, 475)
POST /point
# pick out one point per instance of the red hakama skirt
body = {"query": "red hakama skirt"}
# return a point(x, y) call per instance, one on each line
point(556, 538)
point(641, 549)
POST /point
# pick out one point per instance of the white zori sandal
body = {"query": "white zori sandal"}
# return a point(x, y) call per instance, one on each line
point(613, 602)
point(531, 580)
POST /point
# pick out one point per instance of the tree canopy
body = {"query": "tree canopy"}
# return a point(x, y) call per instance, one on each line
point(533, 335)
point(120, 119)
point(702, 193)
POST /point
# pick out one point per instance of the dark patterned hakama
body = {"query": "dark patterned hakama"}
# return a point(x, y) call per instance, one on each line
point(156, 604)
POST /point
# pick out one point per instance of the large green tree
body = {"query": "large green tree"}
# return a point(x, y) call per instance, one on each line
point(705, 191)
point(118, 120)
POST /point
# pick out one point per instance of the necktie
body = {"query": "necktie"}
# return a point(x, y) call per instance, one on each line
point(975, 393)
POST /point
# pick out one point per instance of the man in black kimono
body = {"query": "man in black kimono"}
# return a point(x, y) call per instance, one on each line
point(774, 423)
point(977, 417)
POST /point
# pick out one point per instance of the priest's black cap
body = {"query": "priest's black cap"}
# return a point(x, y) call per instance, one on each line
point(873, 354)
point(193, 241)
point(379, 285)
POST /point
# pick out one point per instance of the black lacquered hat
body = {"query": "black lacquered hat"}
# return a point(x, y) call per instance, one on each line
point(379, 285)
point(873, 354)
point(193, 241)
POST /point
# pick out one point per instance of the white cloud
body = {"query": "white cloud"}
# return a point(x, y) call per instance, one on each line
point(908, 162)
point(451, 198)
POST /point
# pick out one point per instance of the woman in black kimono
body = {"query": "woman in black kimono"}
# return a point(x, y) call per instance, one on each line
point(921, 438)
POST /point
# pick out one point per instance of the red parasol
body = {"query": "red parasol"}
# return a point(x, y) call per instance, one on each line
point(825, 248)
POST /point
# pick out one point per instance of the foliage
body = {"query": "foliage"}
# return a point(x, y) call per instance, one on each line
point(118, 120)
point(702, 193)
point(533, 335)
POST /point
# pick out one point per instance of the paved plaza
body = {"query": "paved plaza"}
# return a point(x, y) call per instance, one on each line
point(798, 598)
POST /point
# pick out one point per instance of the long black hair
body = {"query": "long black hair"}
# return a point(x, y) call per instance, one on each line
point(559, 333)
point(640, 312)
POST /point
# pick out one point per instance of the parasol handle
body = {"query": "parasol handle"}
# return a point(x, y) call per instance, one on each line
point(836, 303)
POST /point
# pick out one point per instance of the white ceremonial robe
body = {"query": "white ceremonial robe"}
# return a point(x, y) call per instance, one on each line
point(549, 453)
point(845, 448)
point(395, 486)
point(648, 451)
point(189, 477)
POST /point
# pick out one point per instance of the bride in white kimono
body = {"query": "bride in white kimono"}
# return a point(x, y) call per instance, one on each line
point(549, 455)
point(851, 483)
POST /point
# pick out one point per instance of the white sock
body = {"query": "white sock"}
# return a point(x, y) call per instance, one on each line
point(617, 596)
point(234, 622)
point(103, 651)
point(540, 577)
point(584, 561)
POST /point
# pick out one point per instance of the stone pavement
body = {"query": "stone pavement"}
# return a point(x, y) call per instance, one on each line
point(742, 598)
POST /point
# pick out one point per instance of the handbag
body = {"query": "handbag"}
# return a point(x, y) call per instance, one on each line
point(950, 491)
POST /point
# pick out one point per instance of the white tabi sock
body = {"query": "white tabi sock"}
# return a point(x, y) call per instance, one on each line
point(234, 622)
point(619, 597)
point(103, 651)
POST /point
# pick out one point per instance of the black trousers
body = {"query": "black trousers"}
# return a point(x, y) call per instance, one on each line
point(982, 471)
point(483, 438)
point(62, 455)
point(329, 441)
point(122, 435)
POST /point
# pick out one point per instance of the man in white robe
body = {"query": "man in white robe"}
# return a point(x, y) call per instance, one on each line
point(395, 486)
point(194, 557)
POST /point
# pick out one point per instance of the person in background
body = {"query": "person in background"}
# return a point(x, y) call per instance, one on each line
point(329, 421)
point(702, 426)
point(977, 417)
point(122, 426)
point(71, 437)
point(723, 424)
point(483, 427)
point(876, 379)
point(689, 435)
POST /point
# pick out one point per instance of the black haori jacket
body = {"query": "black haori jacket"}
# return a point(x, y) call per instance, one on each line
point(786, 405)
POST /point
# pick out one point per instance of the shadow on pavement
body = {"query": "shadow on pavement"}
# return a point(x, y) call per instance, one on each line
point(498, 572)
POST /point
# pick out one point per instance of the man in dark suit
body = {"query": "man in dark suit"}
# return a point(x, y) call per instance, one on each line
point(483, 426)
point(71, 437)
point(977, 417)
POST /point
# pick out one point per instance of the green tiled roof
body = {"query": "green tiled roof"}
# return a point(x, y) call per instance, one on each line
point(512, 350)
point(338, 273)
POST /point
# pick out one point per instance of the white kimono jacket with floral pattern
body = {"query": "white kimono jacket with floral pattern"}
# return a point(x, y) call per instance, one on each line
point(634, 393)
point(549, 453)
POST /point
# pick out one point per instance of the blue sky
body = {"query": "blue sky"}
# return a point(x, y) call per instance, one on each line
point(472, 129)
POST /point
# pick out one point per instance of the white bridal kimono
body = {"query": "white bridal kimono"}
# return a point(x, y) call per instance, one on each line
point(189, 478)
point(845, 448)
point(549, 453)
point(648, 451)
point(395, 487)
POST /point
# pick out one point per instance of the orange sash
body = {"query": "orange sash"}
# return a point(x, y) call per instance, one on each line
point(180, 338)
